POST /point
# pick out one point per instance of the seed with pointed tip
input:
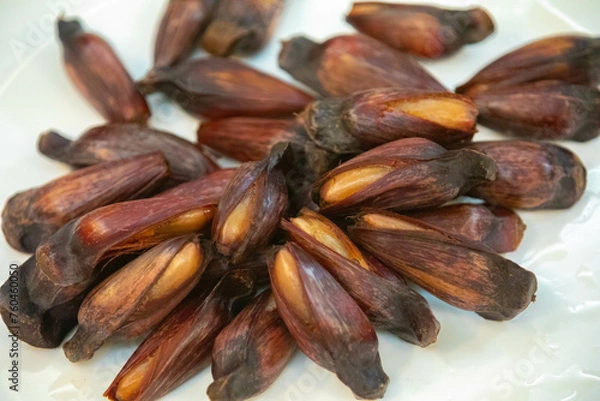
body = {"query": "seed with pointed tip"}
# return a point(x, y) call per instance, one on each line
point(378, 116)
point(99, 75)
point(241, 26)
point(570, 58)
point(116, 141)
point(180, 30)
point(251, 206)
point(425, 31)
point(391, 177)
point(542, 110)
point(31, 217)
point(499, 228)
point(464, 274)
point(72, 255)
point(346, 64)
point(326, 322)
point(532, 175)
point(137, 297)
point(384, 297)
point(251, 352)
point(180, 347)
point(215, 88)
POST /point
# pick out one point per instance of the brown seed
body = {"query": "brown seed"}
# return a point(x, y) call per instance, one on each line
point(542, 110)
point(251, 207)
point(462, 273)
point(347, 64)
point(47, 312)
point(251, 352)
point(99, 75)
point(385, 298)
point(32, 216)
point(73, 253)
point(407, 174)
point(241, 26)
point(327, 324)
point(116, 141)
point(216, 88)
point(493, 226)
point(532, 175)
point(137, 297)
point(424, 31)
point(570, 58)
point(375, 117)
point(180, 347)
point(258, 135)
point(180, 30)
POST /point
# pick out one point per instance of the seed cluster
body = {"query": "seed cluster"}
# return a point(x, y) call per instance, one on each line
point(341, 200)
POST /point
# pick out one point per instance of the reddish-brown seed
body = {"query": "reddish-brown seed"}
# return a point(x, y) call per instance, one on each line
point(462, 273)
point(425, 31)
point(531, 175)
point(116, 141)
point(328, 325)
point(99, 75)
point(374, 117)
point(251, 352)
point(216, 88)
point(346, 64)
point(542, 110)
point(570, 58)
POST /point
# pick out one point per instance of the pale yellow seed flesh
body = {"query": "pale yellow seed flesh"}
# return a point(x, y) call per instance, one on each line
point(181, 269)
point(449, 113)
point(350, 182)
point(129, 385)
point(330, 237)
point(185, 223)
point(389, 223)
point(288, 283)
point(238, 222)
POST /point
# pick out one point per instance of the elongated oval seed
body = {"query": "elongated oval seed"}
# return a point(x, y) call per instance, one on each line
point(286, 276)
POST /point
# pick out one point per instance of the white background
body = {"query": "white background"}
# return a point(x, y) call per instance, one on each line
point(550, 352)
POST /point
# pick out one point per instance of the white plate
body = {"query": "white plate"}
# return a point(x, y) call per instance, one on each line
point(550, 352)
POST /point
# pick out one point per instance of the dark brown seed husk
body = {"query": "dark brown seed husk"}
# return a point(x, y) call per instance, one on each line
point(384, 297)
point(328, 325)
point(72, 255)
point(32, 216)
point(346, 64)
point(46, 312)
point(99, 75)
point(494, 226)
point(116, 141)
point(180, 30)
point(374, 117)
point(573, 59)
point(550, 110)
point(251, 206)
point(216, 88)
point(531, 175)
point(406, 174)
point(180, 347)
point(241, 26)
point(461, 273)
point(251, 352)
point(137, 297)
point(425, 31)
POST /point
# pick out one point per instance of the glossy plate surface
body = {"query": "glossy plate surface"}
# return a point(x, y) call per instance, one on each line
point(549, 353)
